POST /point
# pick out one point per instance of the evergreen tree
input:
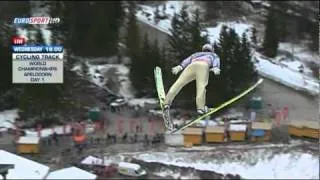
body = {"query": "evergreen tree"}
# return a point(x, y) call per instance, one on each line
point(217, 85)
point(248, 73)
point(132, 42)
point(82, 20)
point(5, 65)
point(163, 56)
point(271, 36)
point(164, 8)
point(156, 15)
point(39, 37)
point(156, 60)
point(104, 35)
point(62, 31)
point(11, 9)
point(282, 23)
point(237, 70)
point(132, 39)
point(254, 36)
point(216, 47)
point(156, 53)
point(41, 99)
point(314, 46)
point(180, 38)
point(213, 9)
point(175, 38)
point(197, 38)
point(85, 68)
point(151, 60)
point(145, 73)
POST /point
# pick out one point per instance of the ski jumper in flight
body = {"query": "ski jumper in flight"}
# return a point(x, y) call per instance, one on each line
point(195, 67)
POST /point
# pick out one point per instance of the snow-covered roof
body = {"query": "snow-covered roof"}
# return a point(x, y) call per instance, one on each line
point(311, 124)
point(295, 123)
point(141, 101)
point(23, 167)
point(91, 160)
point(261, 125)
point(155, 112)
point(48, 131)
point(194, 131)
point(7, 118)
point(215, 129)
point(29, 140)
point(234, 115)
point(129, 165)
point(238, 127)
point(207, 123)
point(71, 173)
point(115, 104)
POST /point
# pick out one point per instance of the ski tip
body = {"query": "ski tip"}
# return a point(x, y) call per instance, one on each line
point(260, 80)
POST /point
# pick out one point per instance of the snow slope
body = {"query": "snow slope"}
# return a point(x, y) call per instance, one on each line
point(250, 161)
point(175, 7)
point(302, 55)
point(146, 14)
point(255, 164)
point(285, 75)
point(240, 28)
point(122, 73)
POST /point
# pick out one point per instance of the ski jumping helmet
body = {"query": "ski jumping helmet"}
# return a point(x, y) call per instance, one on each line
point(207, 47)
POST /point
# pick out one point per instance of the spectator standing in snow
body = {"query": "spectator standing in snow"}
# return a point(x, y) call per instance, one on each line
point(55, 138)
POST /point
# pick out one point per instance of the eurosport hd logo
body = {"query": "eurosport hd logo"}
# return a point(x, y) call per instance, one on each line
point(36, 20)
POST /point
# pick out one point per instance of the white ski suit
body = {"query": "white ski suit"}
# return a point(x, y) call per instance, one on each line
point(195, 67)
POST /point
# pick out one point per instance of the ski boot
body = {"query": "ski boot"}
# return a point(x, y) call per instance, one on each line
point(201, 112)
